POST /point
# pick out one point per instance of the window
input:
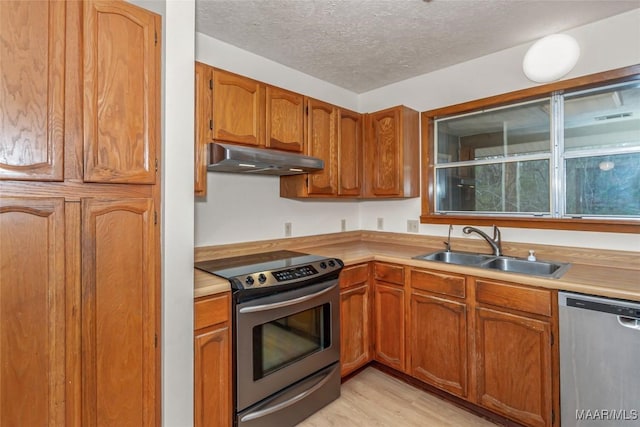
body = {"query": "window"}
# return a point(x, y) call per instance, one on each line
point(601, 154)
point(496, 161)
point(564, 155)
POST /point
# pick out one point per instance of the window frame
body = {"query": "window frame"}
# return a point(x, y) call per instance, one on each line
point(429, 216)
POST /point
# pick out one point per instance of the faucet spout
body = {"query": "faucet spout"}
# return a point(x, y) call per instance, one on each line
point(447, 244)
point(495, 242)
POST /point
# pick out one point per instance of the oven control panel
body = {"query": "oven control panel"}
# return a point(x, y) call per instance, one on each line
point(289, 275)
point(294, 273)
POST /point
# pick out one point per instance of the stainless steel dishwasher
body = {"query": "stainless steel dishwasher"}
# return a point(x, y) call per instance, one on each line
point(599, 361)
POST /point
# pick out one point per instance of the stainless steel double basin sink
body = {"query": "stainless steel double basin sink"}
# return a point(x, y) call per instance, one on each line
point(548, 269)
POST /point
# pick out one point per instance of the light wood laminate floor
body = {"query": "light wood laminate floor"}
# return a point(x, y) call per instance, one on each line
point(373, 398)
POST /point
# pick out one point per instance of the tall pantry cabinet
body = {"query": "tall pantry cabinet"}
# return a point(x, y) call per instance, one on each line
point(79, 204)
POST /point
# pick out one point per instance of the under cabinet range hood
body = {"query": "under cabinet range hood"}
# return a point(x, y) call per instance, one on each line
point(239, 159)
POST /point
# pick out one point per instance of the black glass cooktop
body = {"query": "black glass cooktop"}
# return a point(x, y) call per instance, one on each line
point(256, 263)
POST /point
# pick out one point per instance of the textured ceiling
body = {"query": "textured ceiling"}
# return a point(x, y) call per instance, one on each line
point(365, 44)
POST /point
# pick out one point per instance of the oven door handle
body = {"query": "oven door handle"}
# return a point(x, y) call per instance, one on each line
point(278, 407)
point(275, 305)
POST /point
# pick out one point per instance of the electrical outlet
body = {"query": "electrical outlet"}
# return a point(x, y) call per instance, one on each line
point(343, 225)
point(413, 225)
point(380, 223)
point(287, 229)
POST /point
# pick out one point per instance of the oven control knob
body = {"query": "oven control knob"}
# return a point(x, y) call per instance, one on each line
point(249, 280)
point(262, 278)
point(332, 263)
point(323, 265)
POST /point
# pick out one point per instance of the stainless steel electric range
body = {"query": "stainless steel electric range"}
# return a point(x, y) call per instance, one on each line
point(286, 334)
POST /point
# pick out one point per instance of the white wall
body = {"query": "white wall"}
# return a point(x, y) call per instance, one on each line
point(240, 208)
point(178, 222)
point(178, 46)
point(605, 45)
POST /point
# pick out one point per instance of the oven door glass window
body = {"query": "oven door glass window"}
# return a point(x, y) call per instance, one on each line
point(284, 341)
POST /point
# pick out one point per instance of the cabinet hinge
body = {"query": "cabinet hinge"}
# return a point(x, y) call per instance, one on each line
point(156, 165)
point(211, 124)
point(155, 217)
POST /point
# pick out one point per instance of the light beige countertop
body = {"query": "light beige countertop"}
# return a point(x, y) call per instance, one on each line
point(606, 273)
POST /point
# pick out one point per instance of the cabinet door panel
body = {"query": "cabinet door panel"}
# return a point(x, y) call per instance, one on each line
point(321, 143)
point(203, 131)
point(384, 153)
point(32, 312)
point(238, 109)
point(513, 357)
point(350, 153)
point(285, 120)
point(118, 317)
point(213, 378)
point(439, 343)
point(354, 328)
point(121, 60)
point(32, 54)
point(389, 325)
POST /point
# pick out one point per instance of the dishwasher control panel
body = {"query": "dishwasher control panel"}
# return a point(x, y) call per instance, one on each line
point(617, 309)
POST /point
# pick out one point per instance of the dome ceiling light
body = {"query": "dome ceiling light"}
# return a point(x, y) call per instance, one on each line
point(551, 58)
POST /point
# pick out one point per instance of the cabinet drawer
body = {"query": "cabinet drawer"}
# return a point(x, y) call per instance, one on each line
point(531, 300)
point(354, 275)
point(389, 273)
point(445, 284)
point(212, 310)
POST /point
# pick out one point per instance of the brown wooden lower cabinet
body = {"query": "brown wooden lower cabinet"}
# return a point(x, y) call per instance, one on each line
point(77, 312)
point(355, 315)
point(355, 349)
point(438, 342)
point(389, 325)
point(212, 355)
point(513, 365)
point(488, 342)
point(32, 311)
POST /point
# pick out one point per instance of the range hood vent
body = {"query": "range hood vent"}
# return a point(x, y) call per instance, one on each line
point(239, 159)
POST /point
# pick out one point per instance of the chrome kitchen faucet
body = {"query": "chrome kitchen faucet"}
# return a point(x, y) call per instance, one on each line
point(495, 243)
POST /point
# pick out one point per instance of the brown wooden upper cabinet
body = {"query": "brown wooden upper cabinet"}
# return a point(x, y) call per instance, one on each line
point(285, 120)
point(391, 153)
point(203, 125)
point(32, 90)
point(121, 57)
point(238, 109)
point(321, 142)
point(350, 152)
point(325, 139)
point(376, 159)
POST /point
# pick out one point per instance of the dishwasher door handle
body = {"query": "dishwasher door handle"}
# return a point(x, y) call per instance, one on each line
point(629, 322)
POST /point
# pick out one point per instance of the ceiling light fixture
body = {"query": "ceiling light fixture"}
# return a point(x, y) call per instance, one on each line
point(551, 58)
point(606, 165)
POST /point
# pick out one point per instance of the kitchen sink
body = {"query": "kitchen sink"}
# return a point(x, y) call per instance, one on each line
point(506, 264)
point(522, 266)
point(461, 258)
